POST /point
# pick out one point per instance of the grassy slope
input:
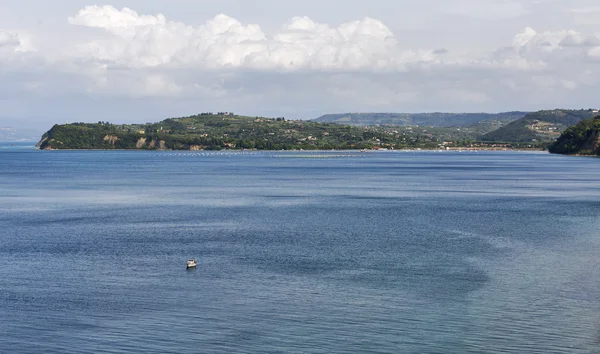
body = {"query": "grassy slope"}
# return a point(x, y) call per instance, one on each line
point(520, 130)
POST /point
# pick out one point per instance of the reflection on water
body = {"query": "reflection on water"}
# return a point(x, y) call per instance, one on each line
point(389, 252)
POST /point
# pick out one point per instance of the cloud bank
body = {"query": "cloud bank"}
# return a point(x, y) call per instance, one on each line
point(356, 65)
point(223, 42)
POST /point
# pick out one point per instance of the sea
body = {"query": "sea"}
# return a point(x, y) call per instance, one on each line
point(298, 252)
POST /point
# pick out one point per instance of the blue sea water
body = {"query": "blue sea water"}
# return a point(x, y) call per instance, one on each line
point(299, 252)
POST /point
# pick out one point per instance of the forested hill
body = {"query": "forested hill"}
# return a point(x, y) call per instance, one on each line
point(209, 131)
point(581, 139)
point(539, 126)
point(421, 119)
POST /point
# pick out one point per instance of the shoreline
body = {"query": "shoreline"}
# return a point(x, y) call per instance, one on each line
point(318, 150)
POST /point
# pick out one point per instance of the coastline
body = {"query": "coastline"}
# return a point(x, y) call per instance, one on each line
point(319, 150)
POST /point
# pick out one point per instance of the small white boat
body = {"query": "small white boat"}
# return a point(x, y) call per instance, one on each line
point(191, 263)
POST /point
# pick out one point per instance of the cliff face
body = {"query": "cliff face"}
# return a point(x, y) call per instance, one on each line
point(581, 139)
point(97, 136)
point(111, 139)
point(41, 142)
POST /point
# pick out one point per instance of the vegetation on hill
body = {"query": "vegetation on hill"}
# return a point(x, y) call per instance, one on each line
point(542, 126)
point(209, 131)
point(581, 139)
point(419, 119)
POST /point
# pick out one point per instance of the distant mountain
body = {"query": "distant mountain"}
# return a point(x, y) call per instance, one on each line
point(422, 119)
point(539, 126)
point(581, 139)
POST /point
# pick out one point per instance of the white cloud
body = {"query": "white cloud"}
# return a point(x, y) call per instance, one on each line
point(578, 40)
point(524, 37)
point(223, 42)
point(110, 18)
point(10, 40)
point(301, 68)
point(594, 53)
point(559, 51)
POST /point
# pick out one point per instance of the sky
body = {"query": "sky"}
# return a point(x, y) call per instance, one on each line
point(142, 61)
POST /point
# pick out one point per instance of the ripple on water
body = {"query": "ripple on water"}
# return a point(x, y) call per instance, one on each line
point(402, 252)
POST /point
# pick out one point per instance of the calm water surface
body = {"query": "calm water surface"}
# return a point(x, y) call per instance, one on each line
point(326, 252)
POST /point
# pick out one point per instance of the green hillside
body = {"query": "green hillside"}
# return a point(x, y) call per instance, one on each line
point(581, 139)
point(209, 131)
point(421, 119)
point(543, 126)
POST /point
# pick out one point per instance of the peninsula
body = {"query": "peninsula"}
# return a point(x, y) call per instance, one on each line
point(225, 130)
